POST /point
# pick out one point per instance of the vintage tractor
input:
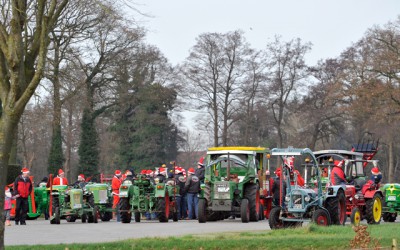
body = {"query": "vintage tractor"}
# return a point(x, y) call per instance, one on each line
point(99, 194)
point(69, 203)
point(232, 184)
point(391, 205)
point(363, 199)
point(298, 204)
point(142, 195)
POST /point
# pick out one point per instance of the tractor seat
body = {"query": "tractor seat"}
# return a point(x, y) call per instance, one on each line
point(359, 183)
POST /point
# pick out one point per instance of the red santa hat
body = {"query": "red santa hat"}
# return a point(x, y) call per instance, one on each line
point(25, 170)
point(375, 171)
point(117, 172)
point(82, 176)
point(60, 171)
point(191, 171)
point(201, 162)
point(338, 163)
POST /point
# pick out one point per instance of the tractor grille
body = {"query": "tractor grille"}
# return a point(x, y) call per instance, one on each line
point(103, 196)
point(221, 190)
point(77, 200)
point(297, 201)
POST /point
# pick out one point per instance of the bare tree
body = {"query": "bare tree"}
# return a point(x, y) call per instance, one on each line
point(287, 70)
point(213, 74)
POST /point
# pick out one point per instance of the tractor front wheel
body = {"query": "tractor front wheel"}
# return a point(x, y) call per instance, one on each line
point(374, 209)
point(95, 214)
point(245, 211)
point(163, 208)
point(57, 215)
point(202, 211)
point(321, 217)
point(137, 217)
point(273, 218)
point(124, 207)
point(355, 217)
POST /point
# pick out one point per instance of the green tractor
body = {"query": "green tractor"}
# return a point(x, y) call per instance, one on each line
point(232, 184)
point(391, 205)
point(69, 204)
point(99, 194)
point(142, 195)
point(298, 204)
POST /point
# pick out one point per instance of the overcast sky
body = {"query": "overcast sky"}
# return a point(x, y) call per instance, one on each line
point(331, 26)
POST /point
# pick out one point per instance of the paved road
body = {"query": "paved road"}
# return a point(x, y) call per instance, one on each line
point(41, 232)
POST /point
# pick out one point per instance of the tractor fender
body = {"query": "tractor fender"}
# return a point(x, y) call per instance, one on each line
point(369, 194)
point(333, 191)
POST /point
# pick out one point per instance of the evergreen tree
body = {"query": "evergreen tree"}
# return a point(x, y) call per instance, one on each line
point(56, 158)
point(88, 149)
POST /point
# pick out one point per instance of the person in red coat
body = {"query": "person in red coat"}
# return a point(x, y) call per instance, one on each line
point(115, 185)
point(338, 177)
point(22, 190)
point(60, 179)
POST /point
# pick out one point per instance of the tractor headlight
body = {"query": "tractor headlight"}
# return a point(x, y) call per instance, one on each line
point(357, 197)
point(287, 198)
point(307, 198)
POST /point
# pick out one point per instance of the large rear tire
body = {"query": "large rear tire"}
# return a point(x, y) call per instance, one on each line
point(336, 207)
point(253, 195)
point(125, 214)
point(55, 204)
point(321, 217)
point(245, 210)
point(373, 209)
point(95, 214)
point(163, 208)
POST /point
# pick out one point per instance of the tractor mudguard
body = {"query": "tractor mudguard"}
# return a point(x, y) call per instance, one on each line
point(333, 191)
point(369, 194)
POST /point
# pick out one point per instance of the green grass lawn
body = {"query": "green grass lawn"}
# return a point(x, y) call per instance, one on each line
point(307, 237)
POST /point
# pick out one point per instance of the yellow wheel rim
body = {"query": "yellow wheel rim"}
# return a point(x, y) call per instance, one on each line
point(357, 218)
point(377, 209)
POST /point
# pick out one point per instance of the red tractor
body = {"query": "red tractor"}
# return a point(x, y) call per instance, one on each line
point(363, 196)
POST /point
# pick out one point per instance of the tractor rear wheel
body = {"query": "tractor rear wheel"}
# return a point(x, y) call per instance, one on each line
point(355, 217)
point(137, 217)
point(124, 207)
point(252, 194)
point(245, 210)
point(163, 208)
point(321, 217)
point(374, 209)
point(202, 211)
point(337, 208)
point(55, 204)
point(274, 221)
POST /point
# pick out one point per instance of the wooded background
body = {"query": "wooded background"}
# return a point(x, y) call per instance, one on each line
point(109, 100)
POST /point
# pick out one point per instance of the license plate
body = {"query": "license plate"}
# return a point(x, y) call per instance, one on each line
point(391, 198)
point(77, 205)
point(299, 206)
point(222, 189)
point(123, 193)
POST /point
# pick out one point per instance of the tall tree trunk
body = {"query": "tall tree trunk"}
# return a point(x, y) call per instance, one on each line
point(391, 162)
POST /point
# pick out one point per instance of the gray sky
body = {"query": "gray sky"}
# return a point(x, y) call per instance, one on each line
point(331, 26)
